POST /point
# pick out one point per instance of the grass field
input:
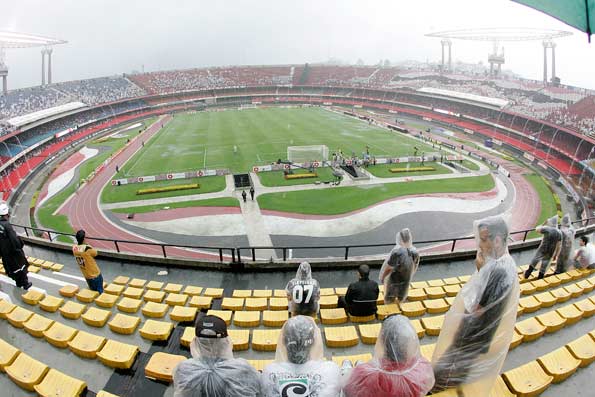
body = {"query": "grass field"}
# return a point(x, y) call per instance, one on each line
point(341, 200)
point(216, 202)
point(548, 205)
point(206, 139)
point(383, 170)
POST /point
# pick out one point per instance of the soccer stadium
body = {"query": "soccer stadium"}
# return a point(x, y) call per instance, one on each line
point(239, 229)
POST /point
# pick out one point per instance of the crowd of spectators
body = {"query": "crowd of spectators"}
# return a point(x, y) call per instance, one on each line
point(100, 90)
point(29, 100)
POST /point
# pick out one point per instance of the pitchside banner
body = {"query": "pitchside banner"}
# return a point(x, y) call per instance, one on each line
point(279, 167)
point(171, 176)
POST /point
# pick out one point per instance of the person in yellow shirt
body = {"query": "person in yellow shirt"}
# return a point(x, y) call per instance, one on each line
point(85, 258)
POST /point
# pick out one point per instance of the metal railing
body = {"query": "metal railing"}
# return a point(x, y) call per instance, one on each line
point(234, 254)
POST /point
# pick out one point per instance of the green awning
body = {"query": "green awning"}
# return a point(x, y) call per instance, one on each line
point(576, 13)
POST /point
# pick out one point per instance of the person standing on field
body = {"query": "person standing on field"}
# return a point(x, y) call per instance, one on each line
point(85, 258)
point(244, 195)
point(252, 192)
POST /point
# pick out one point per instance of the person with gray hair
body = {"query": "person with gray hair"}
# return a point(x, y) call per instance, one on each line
point(548, 249)
point(213, 371)
point(564, 261)
point(303, 292)
point(299, 368)
point(398, 268)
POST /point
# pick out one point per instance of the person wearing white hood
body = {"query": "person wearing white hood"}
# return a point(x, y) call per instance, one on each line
point(548, 249)
point(212, 371)
point(564, 261)
point(479, 326)
point(398, 268)
point(303, 292)
point(299, 368)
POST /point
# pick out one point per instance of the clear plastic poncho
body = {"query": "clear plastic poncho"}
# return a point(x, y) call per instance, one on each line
point(399, 267)
point(397, 369)
point(303, 292)
point(479, 326)
point(299, 368)
point(564, 260)
point(212, 371)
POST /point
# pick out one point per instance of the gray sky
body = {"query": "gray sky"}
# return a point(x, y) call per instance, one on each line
point(108, 37)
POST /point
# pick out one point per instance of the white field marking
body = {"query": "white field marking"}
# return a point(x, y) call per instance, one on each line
point(204, 162)
point(258, 157)
point(72, 276)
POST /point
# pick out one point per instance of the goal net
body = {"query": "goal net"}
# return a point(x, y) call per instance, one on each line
point(306, 154)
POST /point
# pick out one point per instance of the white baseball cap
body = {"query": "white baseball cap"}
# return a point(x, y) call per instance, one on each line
point(4, 209)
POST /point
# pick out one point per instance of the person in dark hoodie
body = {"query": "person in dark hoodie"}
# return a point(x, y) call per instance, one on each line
point(11, 250)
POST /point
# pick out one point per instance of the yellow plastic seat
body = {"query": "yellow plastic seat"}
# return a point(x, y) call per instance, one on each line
point(530, 328)
point(434, 306)
point(451, 281)
point(435, 283)
point(560, 364)
point(26, 372)
point(56, 267)
point(201, 302)
point(36, 325)
point(562, 278)
point(328, 302)
point(362, 319)
point(333, 316)
point(161, 366)
point(225, 315)
point(68, 291)
point(86, 345)
point(240, 339)
point(133, 293)
point(386, 310)
point(47, 265)
point(59, 335)
point(552, 321)
point(117, 355)
point(412, 309)
point(583, 349)
point(5, 308)
point(546, 299)
point(192, 290)
point(106, 300)
point(278, 303)
point(154, 296)
point(433, 325)
point(528, 380)
point(262, 293)
point(527, 289)
point(214, 292)
point(427, 351)
point(435, 292)
point(450, 300)
point(19, 316)
point(57, 384)
point(72, 310)
point(529, 304)
point(86, 295)
point(417, 294)
point(586, 286)
point(275, 318)
point(574, 290)
point(187, 336)
point(155, 310)
point(156, 330)
point(114, 289)
point(30, 269)
point(464, 279)
point(327, 291)
point(154, 285)
point(419, 285)
point(8, 353)
point(500, 389)
point(341, 336)
point(232, 304)
point(369, 332)
point(452, 290)
point(174, 299)
point(540, 285)
point(242, 293)
point(571, 313)
point(561, 294)
point(183, 313)
point(122, 280)
point(279, 293)
point(517, 339)
point(586, 306)
point(246, 319)
point(575, 274)
point(124, 324)
point(265, 339)
point(96, 317)
point(259, 364)
point(129, 305)
point(32, 297)
point(173, 288)
point(380, 300)
point(137, 283)
point(256, 304)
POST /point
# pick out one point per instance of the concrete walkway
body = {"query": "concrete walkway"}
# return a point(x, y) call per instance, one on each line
point(258, 235)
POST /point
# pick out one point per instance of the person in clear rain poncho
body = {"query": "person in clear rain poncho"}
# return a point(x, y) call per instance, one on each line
point(398, 268)
point(479, 326)
point(548, 249)
point(303, 292)
point(299, 368)
point(212, 371)
point(564, 261)
point(397, 369)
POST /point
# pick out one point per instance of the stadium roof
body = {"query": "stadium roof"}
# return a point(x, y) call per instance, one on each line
point(463, 95)
point(20, 121)
point(23, 40)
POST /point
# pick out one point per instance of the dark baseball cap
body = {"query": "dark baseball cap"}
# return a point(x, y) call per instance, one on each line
point(210, 327)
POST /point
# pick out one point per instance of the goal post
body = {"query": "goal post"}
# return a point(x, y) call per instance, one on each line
point(306, 154)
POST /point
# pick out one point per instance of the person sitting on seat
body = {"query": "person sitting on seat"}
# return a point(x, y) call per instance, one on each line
point(563, 261)
point(299, 368)
point(303, 292)
point(548, 249)
point(584, 257)
point(397, 369)
point(212, 371)
point(361, 296)
point(479, 326)
point(398, 268)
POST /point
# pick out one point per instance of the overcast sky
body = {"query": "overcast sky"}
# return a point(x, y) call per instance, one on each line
point(107, 37)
